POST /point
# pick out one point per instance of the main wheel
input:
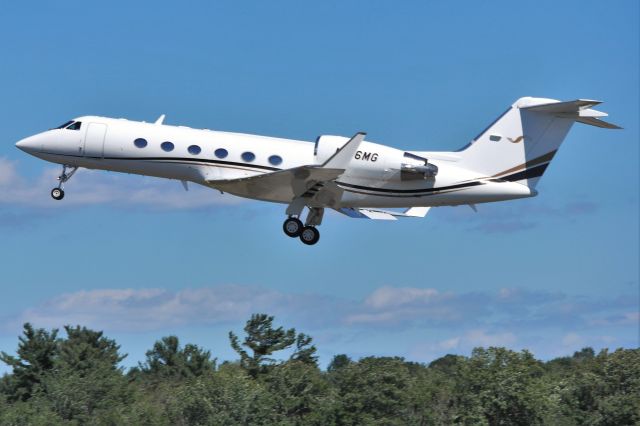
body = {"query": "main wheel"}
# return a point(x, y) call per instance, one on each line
point(57, 193)
point(292, 227)
point(309, 235)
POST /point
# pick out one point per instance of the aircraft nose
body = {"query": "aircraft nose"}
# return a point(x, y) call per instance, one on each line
point(26, 144)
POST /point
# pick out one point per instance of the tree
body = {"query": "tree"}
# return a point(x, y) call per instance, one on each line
point(263, 340)
point(300, 394)
point(305, 352)
point(338, 362)
point(372, 391)
point(504, 386)
point(619, 398)
point(37, 351)
point(168, 360)
point(86, 380)
point(84, 350)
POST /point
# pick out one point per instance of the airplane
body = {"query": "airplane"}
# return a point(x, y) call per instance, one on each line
point(358, 178)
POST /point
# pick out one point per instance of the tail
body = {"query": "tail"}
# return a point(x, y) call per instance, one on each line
point(519, 145)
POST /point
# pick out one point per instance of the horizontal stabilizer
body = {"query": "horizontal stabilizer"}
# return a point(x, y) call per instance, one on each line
point(580, 110)
point(568, 106)
point(383, 214)
point(592, 121)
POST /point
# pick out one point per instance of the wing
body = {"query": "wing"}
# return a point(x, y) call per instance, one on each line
point(304, 181)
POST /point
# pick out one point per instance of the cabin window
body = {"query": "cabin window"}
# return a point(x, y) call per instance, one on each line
point(276, 160)
point(194, 150)
point(221, 153)
point(167, 146)
point(75, 126)
point(140, 143)
point(248, 156)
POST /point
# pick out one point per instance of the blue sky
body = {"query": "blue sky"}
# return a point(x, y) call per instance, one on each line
point(140, 258)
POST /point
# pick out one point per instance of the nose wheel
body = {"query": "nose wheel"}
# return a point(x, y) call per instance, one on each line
point(57, 193)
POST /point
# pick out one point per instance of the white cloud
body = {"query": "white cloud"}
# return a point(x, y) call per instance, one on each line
point(440, 322)
point(385, 297)
point(98, 187)
point(463, 343)
point(150, 309)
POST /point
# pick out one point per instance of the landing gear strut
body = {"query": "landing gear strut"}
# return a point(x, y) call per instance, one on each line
point(57, 193)
point(308, 233)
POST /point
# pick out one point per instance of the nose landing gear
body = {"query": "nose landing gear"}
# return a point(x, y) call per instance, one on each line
point(57, 193)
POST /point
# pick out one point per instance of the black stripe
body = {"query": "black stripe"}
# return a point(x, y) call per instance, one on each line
point(533, 172)
point(173, 159)
point(195, 160)
point(411, 191)
point(401, 195)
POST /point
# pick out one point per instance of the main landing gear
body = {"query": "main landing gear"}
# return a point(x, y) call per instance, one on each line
point(308, 233)
point(57, 193)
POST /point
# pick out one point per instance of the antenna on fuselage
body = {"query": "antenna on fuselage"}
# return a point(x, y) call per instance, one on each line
point(160, 119)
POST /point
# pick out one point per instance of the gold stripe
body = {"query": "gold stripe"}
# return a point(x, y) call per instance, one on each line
point(530, 163)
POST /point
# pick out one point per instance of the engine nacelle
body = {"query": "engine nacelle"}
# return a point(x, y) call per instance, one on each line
point(416, 167)
point(326, 146)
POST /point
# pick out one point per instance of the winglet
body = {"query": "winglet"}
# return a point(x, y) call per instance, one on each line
point(160, 120)
point(343, 156)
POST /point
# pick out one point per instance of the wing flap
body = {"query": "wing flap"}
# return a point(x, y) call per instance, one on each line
point(376, 214)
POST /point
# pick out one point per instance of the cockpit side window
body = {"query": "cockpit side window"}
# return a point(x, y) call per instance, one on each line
point(64, 125)
point(75, 126)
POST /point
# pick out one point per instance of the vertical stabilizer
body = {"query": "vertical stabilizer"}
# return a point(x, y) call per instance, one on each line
point(520, 144)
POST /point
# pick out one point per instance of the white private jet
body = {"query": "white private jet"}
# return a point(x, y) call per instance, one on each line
point(350, 175)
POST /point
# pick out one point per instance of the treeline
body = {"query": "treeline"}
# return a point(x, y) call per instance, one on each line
point(77, 379)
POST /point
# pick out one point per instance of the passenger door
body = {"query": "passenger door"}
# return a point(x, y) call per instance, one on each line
point(94, 140)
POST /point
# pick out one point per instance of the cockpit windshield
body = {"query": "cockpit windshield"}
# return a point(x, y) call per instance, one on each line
point(64, 125)
point(70, 125)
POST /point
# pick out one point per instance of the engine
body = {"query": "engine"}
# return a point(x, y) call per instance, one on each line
point(415, 167)
point(376, 161)
point(326, 146)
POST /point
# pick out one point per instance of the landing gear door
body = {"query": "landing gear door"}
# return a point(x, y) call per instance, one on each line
point(94, 140)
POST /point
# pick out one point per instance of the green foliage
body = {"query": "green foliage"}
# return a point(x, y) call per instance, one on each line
point(168, 360)
point(263, 340)
point(37, 350)
point(338, 362)
point(77, 380)
point(373, 391)
point(300, 394)
point(503, 386)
